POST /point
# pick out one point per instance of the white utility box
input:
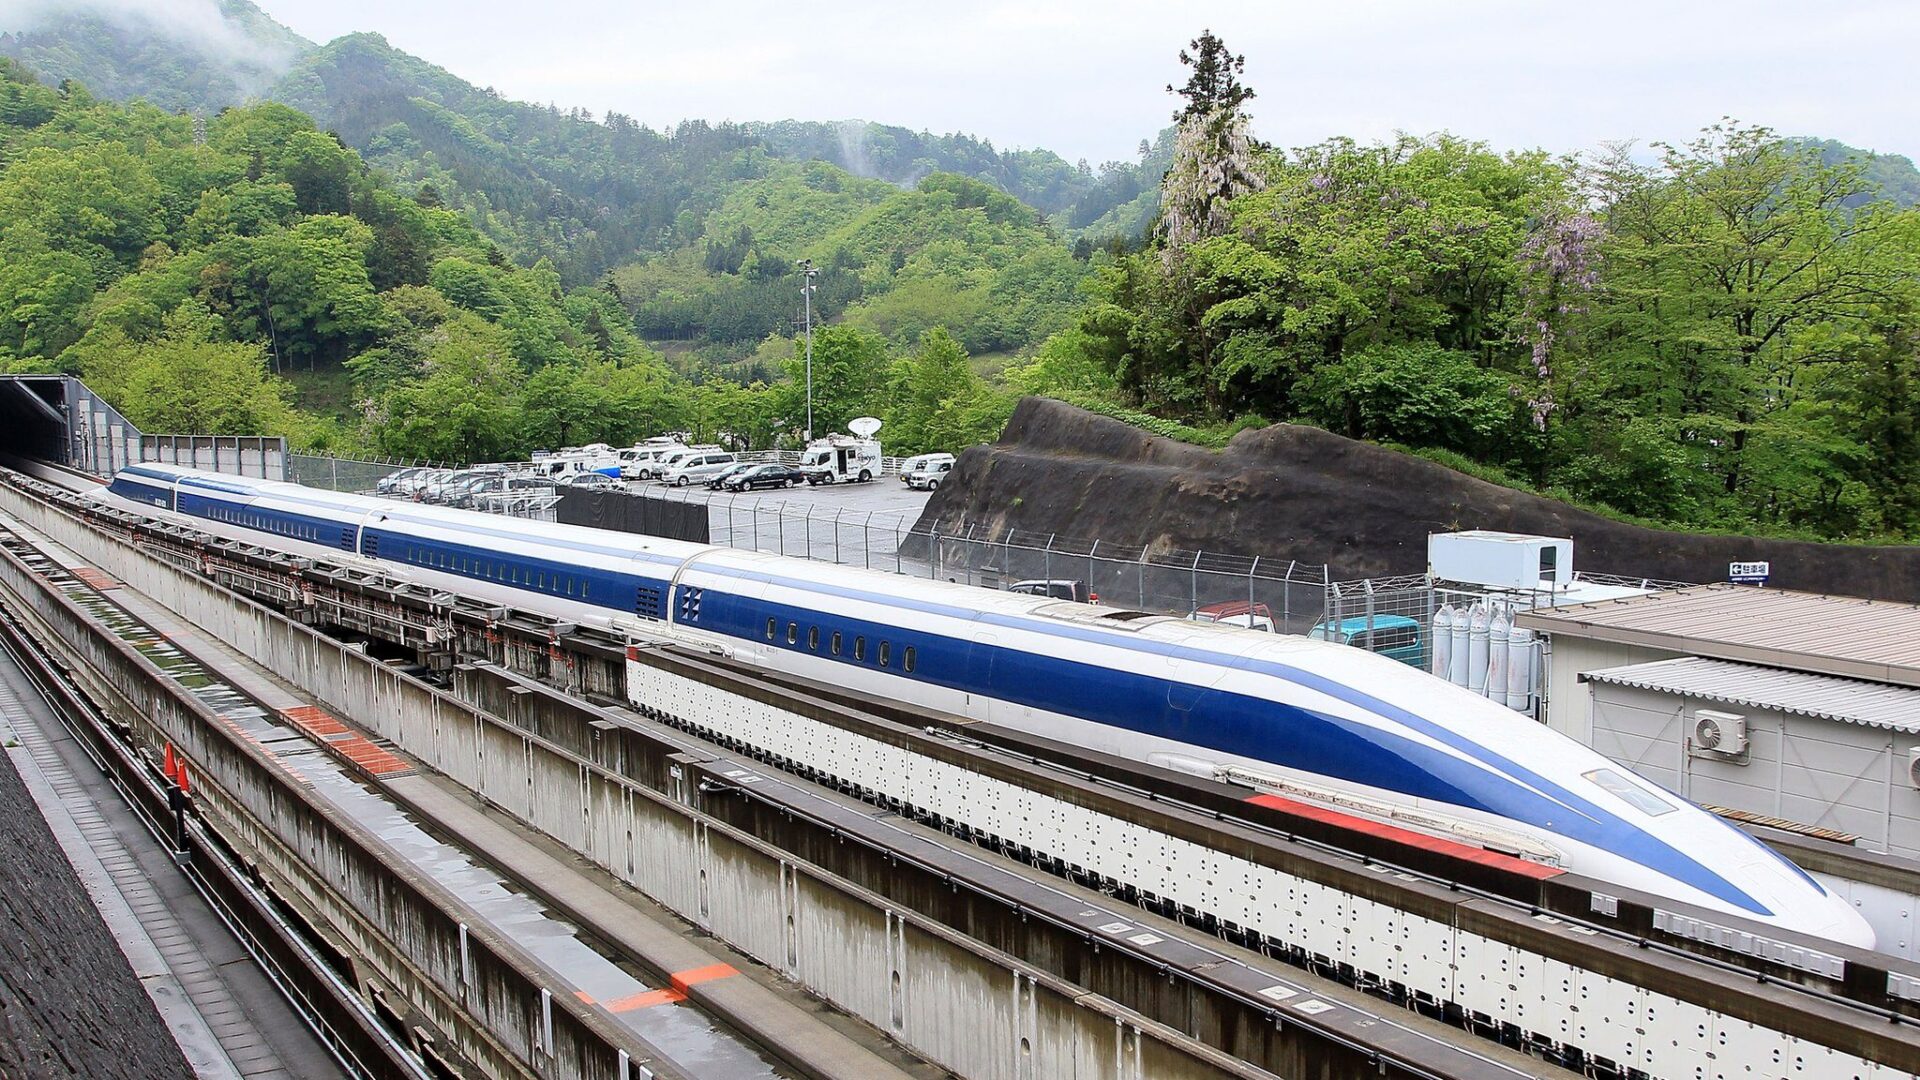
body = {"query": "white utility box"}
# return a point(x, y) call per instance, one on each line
point(1501, 560)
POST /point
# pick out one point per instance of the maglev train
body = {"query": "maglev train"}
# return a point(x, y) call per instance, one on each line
point(1286, 715)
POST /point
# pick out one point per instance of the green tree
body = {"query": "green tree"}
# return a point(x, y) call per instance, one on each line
point(1740, 284)
point(189, 382)
point(467, 407)
point(97, 202)
point(851, 369)
point(1214, 84)
point(1421, 395)
point(932, 388)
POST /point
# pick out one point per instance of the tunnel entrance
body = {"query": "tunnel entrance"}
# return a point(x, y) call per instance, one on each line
point(56, 419)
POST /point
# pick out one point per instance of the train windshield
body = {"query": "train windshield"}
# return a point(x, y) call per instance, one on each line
point(1620, 787)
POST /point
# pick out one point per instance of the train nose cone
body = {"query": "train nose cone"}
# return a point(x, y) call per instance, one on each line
point(1846, 925)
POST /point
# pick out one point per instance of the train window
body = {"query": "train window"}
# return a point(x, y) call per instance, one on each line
point(907, 658)
point(813, 638)
point(793, 633)
point(771, 623)
point(1633, 794)
point(859, 648)
point(836, 643)
point(885, 651)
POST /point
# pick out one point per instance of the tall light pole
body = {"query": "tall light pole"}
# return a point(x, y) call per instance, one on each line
point(808, 272)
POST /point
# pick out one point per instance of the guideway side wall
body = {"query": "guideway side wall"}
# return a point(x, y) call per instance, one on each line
point(409, 933)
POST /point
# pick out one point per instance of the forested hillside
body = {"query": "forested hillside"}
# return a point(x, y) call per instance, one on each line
point(1721, 334)
point(123, 52)
point(194, 273)
point(1726, 336)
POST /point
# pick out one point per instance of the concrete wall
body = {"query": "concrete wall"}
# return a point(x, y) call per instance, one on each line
point(1828, 773)
point(243, 455)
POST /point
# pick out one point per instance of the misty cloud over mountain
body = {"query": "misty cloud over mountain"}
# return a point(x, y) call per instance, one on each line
point(243, 51)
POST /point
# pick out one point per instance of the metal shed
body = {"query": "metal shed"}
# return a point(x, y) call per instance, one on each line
point(1870, 640)
point(1823, 750)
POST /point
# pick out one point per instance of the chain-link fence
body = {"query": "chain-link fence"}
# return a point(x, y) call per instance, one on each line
point(1285, 595)
point(1279, 594)
point(342, 474)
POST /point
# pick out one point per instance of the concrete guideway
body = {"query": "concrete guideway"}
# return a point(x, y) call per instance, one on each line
point(223, 1012)
point(84, 985)
point(514, 873)
point(300, 765)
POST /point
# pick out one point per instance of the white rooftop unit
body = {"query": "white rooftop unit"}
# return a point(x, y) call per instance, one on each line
point(1501, 560)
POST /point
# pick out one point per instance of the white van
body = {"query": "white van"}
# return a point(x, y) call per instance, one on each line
point(930, 476)
point(673, 457)
point(697, 467)
point(921, 463)
point(643, 462)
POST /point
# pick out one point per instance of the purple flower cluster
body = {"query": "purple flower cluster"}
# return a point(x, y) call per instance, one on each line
point(1559, 263)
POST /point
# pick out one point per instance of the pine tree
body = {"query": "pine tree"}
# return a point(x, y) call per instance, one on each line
point(1215, 85)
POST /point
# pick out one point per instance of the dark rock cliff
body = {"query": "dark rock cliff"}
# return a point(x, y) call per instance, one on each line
point(1290, 492)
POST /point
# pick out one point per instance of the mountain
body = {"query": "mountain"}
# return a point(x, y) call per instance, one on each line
point(1895, 176)
point(548, 184)
point(185, 55)
point(1072, 196)
point(586, 193)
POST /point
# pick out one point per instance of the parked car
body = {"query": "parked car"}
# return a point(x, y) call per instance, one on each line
point(460, 492)
point(437, 488)
point(475, 495)
point(674, 457)
point(920, 463)
point(415, 486)
point(1237, 613)
point(643, 462)
point(1058, 588)
point(390, 484)
point(697, 468)
point(1389, 635)
point(764, 476)
point(591, 481)
point(719, 479)
point(929, 476)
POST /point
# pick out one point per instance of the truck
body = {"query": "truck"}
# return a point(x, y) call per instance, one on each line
point(851, 458)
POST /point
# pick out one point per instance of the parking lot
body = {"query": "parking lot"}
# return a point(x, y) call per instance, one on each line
point(854, 524)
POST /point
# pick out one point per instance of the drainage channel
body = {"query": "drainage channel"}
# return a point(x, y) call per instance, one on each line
point(683, 1035)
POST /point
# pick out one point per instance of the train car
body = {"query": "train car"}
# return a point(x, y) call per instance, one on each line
point(1305, 719)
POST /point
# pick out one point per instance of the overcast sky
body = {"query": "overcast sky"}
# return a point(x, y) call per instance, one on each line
point(1086, 78)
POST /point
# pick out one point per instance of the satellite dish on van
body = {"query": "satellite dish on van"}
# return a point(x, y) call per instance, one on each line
point(863, 426)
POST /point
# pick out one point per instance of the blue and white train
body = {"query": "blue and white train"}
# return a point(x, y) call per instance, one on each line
point(1304, 719)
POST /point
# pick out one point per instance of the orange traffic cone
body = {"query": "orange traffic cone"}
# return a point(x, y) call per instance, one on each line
point(167, 766)
point(185, 788)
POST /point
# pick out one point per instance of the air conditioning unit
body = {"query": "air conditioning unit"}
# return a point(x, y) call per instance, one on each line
point(1718, 733)
point(1913, 766)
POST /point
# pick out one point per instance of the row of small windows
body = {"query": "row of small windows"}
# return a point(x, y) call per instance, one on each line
point(264, 523)
point(836, 645)
point(506, 573)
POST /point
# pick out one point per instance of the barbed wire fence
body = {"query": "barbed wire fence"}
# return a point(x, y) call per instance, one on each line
point(344, 474)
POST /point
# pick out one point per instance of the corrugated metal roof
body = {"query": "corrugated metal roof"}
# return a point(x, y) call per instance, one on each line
point(1835, 635)
point(1829, 697)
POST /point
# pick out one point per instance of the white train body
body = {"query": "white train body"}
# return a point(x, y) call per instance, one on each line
point(1303, 718)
